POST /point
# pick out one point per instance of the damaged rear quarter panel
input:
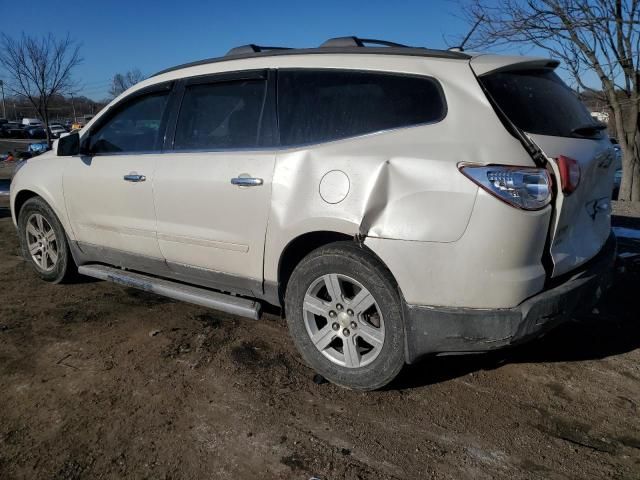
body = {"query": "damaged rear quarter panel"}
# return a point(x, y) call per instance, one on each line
point(392, 192)
point(404, 184)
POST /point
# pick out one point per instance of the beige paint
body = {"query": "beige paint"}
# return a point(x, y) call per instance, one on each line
point(445, 241)
point(495, 264)
point(105, 210)
point(204, 220)
point(578, 234)
point(42, 175)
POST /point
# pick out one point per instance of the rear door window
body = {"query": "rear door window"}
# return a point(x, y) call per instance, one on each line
point(322, 105)
point(538, 102)
point(221, 115)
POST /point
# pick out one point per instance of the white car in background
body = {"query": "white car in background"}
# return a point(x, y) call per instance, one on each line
point(31, 122)
point(56, 130)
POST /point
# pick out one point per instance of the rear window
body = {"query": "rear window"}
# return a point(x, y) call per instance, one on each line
point(538, 102)
point(323, 105)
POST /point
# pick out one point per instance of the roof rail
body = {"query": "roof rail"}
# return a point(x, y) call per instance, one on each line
point(251, 48)
point(342, 42)
point(344, 45)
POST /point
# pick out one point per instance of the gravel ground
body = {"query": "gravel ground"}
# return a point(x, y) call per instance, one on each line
point(101, 381)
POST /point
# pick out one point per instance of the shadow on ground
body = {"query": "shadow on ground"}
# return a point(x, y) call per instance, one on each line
point(625, 221)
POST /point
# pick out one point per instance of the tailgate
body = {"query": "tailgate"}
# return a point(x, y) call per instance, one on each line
point(582, 220)
point(538, 103)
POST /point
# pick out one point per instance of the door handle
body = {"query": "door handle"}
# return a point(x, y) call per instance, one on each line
point(247, 181)
point(134, 177)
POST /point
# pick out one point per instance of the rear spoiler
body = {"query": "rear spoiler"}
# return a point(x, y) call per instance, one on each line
point(485, 64)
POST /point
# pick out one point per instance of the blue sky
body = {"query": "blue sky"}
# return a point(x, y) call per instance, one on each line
point(117, 36)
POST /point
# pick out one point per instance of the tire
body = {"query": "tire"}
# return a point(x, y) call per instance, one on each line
point(371, 325)
point(39, 225)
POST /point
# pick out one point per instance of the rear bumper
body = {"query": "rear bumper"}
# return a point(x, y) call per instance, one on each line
point(440, 329)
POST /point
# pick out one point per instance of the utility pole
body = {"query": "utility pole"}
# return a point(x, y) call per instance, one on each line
point(4, 108)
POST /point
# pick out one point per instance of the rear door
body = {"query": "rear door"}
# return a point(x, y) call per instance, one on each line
point(541, 105)
point(212, 186)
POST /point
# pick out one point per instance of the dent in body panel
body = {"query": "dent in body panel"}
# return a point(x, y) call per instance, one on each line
point(393, 193)
point(581, 223)
point(417, 199)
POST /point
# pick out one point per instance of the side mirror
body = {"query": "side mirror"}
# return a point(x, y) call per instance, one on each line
point(69, 145)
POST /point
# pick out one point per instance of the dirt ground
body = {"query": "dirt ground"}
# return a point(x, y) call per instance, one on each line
point(101, 381)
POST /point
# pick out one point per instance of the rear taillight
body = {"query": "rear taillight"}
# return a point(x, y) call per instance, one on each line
point(569, 174)
point(522, 187)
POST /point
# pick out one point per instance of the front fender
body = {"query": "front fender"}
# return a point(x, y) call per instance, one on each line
point(42, 176)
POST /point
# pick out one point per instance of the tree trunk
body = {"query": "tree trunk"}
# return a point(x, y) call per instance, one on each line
point(45, 117)
point(629, 185)
point(630, 145)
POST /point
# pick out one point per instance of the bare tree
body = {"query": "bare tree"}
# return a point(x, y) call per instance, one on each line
point(122, 82)
point(39, 68)
point(600, 37)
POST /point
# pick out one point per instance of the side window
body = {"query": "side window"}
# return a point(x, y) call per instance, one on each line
point(220, 115)
point(322, 105)
point(133, 128)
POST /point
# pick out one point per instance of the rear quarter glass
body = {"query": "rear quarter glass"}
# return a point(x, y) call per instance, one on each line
point(348, 103)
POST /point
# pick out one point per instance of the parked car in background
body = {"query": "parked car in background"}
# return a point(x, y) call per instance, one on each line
point(13, 130)
point(618, 150)
point(37, 148)
point(3, 121)
point(394, 201)
point(31, 122)
point(617, 179)
point(35, 132)
point(56, 130)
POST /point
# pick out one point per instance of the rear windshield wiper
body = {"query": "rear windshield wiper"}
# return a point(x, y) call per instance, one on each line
point(589, 130)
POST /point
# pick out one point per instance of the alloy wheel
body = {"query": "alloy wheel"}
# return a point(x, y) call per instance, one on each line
point(343, 320)
point(42, 242)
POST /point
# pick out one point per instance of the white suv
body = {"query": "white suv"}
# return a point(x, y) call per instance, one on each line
point(395, 201)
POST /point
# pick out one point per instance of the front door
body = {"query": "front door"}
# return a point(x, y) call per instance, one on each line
point(212, 186)
point(109, 189)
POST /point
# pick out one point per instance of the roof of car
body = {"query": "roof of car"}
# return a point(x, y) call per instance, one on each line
point(340, 45)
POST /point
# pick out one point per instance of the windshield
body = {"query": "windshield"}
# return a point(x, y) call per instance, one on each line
point(538, 102)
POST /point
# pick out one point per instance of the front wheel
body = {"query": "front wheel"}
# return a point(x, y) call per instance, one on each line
point(43, 241)
point(344, 314)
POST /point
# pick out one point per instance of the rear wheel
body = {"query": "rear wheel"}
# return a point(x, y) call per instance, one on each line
point(43, 241)
point(344, 314)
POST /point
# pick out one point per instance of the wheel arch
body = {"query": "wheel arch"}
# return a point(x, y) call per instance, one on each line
point(21, 197)
point(25, 194)
point(302, 245)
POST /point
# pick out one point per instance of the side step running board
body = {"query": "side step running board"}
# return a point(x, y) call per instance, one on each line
point(178, 291)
